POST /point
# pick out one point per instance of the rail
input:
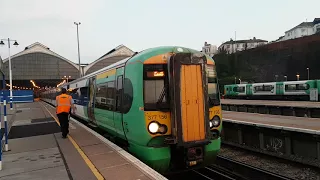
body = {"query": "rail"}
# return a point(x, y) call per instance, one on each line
point(209, 173)
point(247, 171)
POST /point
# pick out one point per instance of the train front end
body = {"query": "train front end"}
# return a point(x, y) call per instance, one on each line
point(182, 108)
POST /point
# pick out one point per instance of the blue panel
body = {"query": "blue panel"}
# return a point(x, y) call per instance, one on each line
point(18, 95)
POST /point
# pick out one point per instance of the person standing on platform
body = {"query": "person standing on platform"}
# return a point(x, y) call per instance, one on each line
point(64, 104)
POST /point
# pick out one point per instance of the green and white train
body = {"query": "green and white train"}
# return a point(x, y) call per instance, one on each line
point(162, 103)
point(287, 90)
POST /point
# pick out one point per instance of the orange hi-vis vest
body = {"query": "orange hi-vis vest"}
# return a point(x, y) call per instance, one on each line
point(63, 102)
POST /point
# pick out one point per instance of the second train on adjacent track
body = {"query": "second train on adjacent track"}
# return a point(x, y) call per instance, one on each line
point(287, 90)
point(163, 103)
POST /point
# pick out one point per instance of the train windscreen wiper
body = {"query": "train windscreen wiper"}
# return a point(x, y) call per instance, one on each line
point(161, 97)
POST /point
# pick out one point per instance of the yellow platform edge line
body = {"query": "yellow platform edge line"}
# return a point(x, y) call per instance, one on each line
point(83, 155)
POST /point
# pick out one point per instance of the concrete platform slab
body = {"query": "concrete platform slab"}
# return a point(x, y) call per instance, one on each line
point(84, 138)
point(60, 173)
point(31, 144)
point(274, 120)
point(96, 149)
point(31, 161)
point(76, 165)
point(117, 172)
point(102, 161)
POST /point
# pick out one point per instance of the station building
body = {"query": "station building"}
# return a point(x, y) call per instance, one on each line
point(47, 68)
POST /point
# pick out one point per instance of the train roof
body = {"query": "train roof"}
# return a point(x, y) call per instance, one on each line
point(148, 53)
point(142, 56)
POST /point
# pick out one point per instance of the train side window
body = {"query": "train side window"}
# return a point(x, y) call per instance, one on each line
point(303, 87)
point(127, 95)
point(297, 87)
point(119, 93)
point(83, 96)
point(74, 94)
point(101, 93)
point(235, 89)
point(111, 95)
point(241, 89)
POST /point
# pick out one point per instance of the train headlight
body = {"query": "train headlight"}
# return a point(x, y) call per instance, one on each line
point(216, 121)
point(153, 127)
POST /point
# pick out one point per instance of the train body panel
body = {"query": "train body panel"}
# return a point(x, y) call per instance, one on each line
point(138, 100)
point(288, 90)
point(298, 87)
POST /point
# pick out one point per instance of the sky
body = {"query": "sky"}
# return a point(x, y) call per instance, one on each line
point(142, 24)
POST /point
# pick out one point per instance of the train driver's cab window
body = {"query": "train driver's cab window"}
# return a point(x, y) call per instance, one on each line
point(214, 98)
point(155, 88)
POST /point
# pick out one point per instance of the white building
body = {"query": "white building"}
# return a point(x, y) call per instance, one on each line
point(209, 49)
point(303, 29)
point(233, 46)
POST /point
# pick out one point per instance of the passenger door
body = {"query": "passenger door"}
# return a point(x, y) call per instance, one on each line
point(92, 84)
point(249, 89)
point(118, 116)
point(279, 88)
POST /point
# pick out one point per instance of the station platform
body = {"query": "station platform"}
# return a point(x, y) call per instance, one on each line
point(300, 104)
point(286, 108)
point(10, 116)
point(288, 122)
point(38, 151)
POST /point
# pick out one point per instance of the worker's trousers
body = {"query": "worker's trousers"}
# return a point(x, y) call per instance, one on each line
point(64, 123)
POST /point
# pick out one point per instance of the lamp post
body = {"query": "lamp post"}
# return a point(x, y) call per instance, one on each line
point(308, 72)
point(67, 78)
point(240, 81)
point(77, 24)
point(10, 69)
point(286, 78)
point(298, 77)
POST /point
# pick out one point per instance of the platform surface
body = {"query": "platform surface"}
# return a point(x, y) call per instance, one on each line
point(37, 151)
point(274, 120)
point(300, 104)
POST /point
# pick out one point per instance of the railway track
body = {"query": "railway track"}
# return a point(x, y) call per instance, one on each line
point(229, 169)
point(209, 173)
point(246, 171)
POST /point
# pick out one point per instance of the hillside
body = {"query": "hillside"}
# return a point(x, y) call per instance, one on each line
point(261, 64)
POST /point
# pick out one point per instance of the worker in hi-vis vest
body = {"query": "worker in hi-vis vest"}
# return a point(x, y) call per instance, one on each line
point(64, 104)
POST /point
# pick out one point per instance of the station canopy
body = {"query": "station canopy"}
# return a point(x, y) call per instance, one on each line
point(39, 67)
